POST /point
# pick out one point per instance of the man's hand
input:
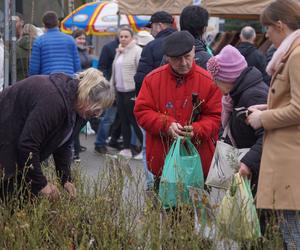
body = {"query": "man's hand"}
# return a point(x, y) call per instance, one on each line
point(70, 188)
point(50, 191)
point(245, 171)
point(188, 131)
point(176, 130)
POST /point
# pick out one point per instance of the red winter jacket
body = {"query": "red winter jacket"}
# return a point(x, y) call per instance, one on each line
point(160, 103)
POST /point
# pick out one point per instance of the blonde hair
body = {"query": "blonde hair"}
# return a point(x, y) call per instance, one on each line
point(94, 90)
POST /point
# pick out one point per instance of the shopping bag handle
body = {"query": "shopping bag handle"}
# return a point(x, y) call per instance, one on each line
point(175, 145)
point(178, 143)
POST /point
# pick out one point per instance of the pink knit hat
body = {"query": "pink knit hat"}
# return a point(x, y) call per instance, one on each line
point(227, 65)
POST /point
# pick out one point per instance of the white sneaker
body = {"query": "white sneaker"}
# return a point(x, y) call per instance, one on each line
point(138, 156)
point(126, 153)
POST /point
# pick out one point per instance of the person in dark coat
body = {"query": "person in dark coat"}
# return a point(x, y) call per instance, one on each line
point(41, 114)
point(107, 57)
point(111, 123)
point(194, 19)
point(152, 54)
point(85, 63)
point(84, 56)
point(252, 55)
point(270, 52)
point(242, 87)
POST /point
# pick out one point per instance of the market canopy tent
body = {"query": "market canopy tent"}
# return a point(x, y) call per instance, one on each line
point(241, 9)
point(148, 7)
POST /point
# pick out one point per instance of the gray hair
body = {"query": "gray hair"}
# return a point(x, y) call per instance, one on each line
point(248, 33)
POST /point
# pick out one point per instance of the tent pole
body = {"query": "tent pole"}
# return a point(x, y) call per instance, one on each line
point(119, 19)
point(13, 42)
point(6, 43)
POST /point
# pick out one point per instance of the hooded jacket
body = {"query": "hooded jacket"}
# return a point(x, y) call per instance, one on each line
point(254, 58)
point(201, 54)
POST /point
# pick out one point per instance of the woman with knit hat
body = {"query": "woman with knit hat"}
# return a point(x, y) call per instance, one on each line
point(242, 86)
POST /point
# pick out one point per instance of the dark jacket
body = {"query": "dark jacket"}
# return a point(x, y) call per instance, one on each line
point(201, 54)
point(269, 55)
point(254, 58)
point(38, 116)
point(85, 58)
point(107, 57)
point(151, 58)
point(270, 52)
point(249, 90)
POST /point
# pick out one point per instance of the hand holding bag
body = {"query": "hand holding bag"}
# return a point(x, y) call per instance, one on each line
point(182, 169)
point(225, 162)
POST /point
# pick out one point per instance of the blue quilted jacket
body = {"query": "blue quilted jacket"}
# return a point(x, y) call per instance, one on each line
point(54, 52)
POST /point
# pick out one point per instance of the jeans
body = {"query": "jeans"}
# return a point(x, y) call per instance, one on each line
point(148, 174)
point(290, 228)
point(104, 126)
point(76, 140)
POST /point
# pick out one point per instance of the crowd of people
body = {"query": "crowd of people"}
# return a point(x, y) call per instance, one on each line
point(144, 88)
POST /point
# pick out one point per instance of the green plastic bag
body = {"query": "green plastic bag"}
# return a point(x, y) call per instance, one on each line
point(237, 218)
point(182, 169)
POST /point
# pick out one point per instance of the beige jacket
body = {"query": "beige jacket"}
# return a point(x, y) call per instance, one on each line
point(132, 54)
point(279, 180)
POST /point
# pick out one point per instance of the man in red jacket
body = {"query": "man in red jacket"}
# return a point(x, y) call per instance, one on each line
point(164, 105)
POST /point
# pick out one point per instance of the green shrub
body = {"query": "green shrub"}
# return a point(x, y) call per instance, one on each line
point(109, 212)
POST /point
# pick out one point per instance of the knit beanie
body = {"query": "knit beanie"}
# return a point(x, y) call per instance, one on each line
point(227, 65)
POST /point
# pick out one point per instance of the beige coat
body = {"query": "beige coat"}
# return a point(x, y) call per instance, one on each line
point(132, 55)
point(279, 181)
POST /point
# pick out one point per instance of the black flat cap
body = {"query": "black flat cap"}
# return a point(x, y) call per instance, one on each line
point(160, 17)
point(178, 43)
